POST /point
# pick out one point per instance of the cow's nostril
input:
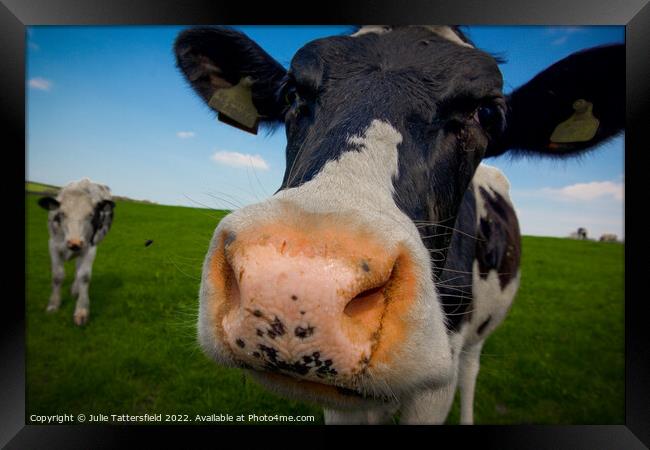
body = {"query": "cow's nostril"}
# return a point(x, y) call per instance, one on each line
point(361, 318)
point(363, 315)
point(366, 305)
point(366, 302)
point(74, 244)
point(232, 281)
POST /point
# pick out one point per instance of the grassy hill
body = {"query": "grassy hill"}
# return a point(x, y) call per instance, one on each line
point(558, 357)
point(32, 187)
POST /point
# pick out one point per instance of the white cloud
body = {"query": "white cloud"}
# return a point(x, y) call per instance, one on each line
point(563, 33)
point(597, 206)
point(185, 134)
point(588, 191)
point(572, 30)
point(236, 159)
point(40, 84)
point(565, 30)
point(561, 40)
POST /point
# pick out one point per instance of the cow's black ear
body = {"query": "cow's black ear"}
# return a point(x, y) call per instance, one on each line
point(232, 74)
point(105, 203)
point(102, 220)
point(569, 108)
point(49, 203)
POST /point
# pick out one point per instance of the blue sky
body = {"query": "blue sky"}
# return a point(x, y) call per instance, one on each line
point(109, 104)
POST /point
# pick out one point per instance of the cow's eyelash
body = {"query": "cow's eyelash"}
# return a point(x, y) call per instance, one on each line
point(303, 91)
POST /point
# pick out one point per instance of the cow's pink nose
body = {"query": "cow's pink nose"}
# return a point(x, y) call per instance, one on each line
point(310, 303)
point(75, 244)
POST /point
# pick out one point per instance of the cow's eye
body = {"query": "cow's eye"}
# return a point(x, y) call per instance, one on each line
point(290, 95)
point(490, 117)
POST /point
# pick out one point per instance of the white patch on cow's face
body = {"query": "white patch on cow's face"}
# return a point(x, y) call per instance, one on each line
point(377, 29)
point(360, 183)
point(359, 180)
point(491, 179)
point(441, 30)
point(448, 33)
point(75, 214)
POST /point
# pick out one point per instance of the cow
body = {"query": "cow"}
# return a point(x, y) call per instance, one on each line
point(608, 237)
point(580, 234)
point(79, 218)
point(370, 280)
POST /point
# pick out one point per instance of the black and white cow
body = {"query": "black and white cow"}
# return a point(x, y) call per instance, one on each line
point(79, 218)
point(369, 282)
point(581, 233)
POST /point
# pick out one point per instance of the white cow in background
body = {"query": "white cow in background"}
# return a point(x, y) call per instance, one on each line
point(79, 218)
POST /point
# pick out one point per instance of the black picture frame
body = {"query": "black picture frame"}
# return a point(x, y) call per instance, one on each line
point(15, 15)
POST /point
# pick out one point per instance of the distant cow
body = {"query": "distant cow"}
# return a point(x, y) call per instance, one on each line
point(608, 237)
point(581, 234)
point(369, 282)
point(79, 218)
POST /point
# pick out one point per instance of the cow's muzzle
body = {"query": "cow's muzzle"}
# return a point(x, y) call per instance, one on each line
point(313, 298)
point(75, 244)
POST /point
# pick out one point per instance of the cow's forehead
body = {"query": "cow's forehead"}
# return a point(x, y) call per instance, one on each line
point(426, 53)
point(75, 202)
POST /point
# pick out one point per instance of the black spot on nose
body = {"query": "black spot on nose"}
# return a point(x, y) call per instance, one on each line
point(240, 343)
point(294, 298)
point(303, 333)
point(325, 370)
point(277, 328)
point(365, 266)
point(270, 352)
point(349, 392)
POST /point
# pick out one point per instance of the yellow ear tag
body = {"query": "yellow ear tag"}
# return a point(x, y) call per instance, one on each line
point(235, 106)
point(580, 127)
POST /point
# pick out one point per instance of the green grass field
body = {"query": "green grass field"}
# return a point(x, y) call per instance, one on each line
point(558, 358)
point(40, 187)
